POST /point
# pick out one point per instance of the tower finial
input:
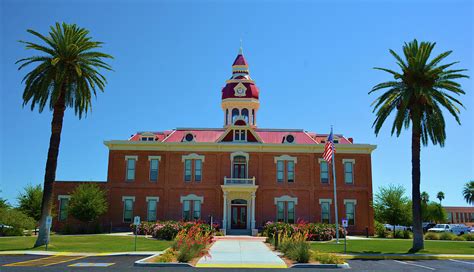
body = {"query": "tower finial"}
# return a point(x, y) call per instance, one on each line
point(241, 50)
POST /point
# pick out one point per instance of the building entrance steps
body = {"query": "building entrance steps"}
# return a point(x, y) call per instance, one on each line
point(241, 252)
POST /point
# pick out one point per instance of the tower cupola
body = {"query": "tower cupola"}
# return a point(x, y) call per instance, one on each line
point(240, 95)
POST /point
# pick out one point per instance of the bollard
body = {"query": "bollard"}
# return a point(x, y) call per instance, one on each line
point(276, 239)
point(367, 232)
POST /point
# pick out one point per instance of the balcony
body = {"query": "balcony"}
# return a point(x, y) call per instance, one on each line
point(239, 181)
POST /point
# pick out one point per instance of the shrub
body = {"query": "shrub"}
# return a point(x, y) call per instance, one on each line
point(327, 258)
point(459, 238)
point(191, 243)
point(431, 236)
point(315, 231)
point(380, 230)
point(447, 236)
point(468, 236)
point(167, 257)
point(294, 246)
point(16, 221)
point(405, 234)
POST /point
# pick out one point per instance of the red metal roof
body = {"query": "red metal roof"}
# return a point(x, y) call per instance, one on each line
point(240, 60)
point(268, 136)
point(229, 92)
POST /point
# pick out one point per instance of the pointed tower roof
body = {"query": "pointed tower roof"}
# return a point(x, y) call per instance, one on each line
point(240, 80)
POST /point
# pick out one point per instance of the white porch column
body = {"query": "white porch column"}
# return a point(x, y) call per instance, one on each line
point(253, 211)
point(224, 213)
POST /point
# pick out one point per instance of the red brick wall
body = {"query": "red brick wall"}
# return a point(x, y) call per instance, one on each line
point(170, 186)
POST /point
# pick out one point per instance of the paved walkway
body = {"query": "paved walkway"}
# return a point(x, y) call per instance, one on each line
point(241, 252)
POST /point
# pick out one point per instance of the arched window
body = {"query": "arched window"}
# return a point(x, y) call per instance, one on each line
point(253, 117)
point(245, 114)
point(235, 115)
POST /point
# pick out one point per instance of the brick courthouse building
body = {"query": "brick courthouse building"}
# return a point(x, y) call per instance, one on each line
point(240, 174)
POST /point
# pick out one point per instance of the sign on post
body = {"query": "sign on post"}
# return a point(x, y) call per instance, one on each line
point(136, 222)
point(49, 222)
point(345, 223)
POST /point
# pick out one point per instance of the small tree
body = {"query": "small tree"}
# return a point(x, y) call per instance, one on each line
point(468, 192)
point(436, 213)
point(29, 201)
point(87, 203)
point(392, 206)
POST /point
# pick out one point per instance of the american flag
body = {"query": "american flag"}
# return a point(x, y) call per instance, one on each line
point(329, 149)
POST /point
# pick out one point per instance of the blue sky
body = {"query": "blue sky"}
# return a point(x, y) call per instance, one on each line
point(311, 60)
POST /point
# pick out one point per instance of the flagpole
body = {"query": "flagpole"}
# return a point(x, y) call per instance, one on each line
point(335, 195)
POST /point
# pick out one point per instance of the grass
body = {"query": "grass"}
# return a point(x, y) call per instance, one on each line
point(394, 246)
point(85, 243)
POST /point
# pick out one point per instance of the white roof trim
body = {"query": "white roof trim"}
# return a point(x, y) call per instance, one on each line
point(286, 158)
point(157, 198)
point(191, 197)
point(64, 197)
point(128, 197)
point(154, 158)
point(193, 156)
point(286, 198)
point(321, 200)
point(350, 201)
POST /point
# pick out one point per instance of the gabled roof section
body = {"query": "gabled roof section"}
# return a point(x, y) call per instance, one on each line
point(276, 136)
point(253, 137)
point(200, 135)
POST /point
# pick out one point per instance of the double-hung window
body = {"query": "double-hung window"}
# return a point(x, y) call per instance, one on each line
point(285, 168)
point(280, 171)
point(63, 205)
point(151, 208)
point(290, 171)
point(128, 209)
point(325, 212)
point(131, 164)
point(188, 165)
point(154, 164)
point(350, 211)
point(191, 210)
point(286, 211)
point(348, 171)
point(240, 135)
point(193, 170)
point(323, 165)
point(197, 170)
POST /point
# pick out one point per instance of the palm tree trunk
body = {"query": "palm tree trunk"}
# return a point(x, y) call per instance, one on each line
point(416, 176)
point(50, 173)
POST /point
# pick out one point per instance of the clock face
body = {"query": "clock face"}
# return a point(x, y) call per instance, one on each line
point(240, 91)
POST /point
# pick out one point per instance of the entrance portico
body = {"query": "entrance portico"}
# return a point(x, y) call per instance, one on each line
point(239, 208)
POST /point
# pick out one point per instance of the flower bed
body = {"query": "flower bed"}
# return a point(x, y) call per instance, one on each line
point(168, 230)
point(313, 231)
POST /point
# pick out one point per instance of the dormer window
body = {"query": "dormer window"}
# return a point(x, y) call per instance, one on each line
point(189, 137)
point(289, 139)
point(147, 139)
point(336, 141)
point(240, 135)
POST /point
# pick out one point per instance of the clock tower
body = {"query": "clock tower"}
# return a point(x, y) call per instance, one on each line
point(240, 96)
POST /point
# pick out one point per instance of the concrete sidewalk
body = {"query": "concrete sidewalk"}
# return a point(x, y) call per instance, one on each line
point(241, 252)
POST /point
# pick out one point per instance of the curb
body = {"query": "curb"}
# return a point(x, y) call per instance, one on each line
point(88, 254)
point(143, 263)
point(407, 257)
point(308, 265)
point(241, 265)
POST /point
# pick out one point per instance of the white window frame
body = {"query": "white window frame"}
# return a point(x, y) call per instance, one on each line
point(352, 161)
point(60, 199)
point(124, 198)
point(325, 200)
point(152, 198)
point(354, 202)
point(285, 199)
point(127, 158)
point(150, 158)
point(191, 198)
point(285, 159)
point(320, 161)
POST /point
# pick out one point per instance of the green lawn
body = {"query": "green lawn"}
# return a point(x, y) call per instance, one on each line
point(85, 243)
point(395, 246)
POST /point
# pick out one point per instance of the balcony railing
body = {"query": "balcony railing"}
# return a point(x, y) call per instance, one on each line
point(239, 181)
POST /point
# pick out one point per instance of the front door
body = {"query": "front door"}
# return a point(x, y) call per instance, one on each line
point(239, 217)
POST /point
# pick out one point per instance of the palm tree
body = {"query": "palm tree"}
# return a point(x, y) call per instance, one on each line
point(66, 75)
point(440, 196)
point(425, 197)
point(468, 192)
point(417, 95)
